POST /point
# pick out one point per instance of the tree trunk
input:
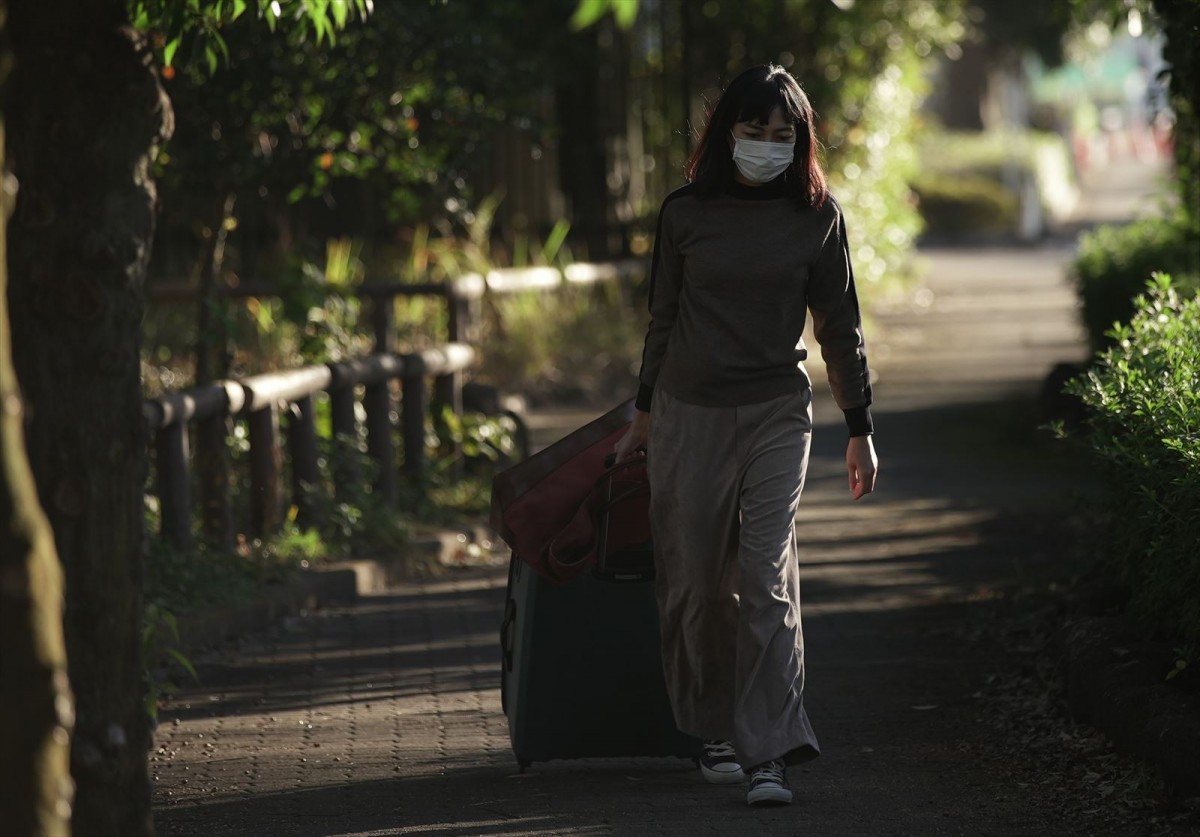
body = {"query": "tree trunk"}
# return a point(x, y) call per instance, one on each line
point(583, 161)
point(965, 88)
point(85, 112)
point(35, 701)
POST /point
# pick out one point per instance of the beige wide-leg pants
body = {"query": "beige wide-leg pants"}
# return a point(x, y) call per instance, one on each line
point(725, 483)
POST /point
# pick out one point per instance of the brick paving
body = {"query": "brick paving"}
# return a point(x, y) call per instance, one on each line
point(384, 717)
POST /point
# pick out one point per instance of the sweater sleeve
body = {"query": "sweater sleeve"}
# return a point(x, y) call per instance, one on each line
point(837, 325)
point(666, 279)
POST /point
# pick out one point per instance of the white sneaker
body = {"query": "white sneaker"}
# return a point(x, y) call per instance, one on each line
point(719, 764)
point(769, 784)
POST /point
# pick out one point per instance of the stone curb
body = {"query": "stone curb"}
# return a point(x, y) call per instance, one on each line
point(326, 585)
point(1115, 683)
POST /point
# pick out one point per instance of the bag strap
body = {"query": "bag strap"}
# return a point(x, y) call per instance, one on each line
point(580, 531)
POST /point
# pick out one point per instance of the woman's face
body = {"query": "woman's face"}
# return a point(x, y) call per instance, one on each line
point(777, 129)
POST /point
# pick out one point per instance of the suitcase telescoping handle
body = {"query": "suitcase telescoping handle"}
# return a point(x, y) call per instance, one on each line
point(601, 569)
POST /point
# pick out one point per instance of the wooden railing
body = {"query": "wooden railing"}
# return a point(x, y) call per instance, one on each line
point(429, 379)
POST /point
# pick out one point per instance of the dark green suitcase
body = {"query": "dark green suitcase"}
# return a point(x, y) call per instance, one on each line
point(583, 673)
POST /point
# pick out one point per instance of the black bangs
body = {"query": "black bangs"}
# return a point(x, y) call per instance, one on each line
point(761, 97)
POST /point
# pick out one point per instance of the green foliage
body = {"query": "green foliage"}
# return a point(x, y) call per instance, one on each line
point(316, 317)
point(965, 203)
point(175, 581)
point(867, 76)
point(351, 518)
point(590, 11)
point(972, 182)
point(199, 23)
point(160, 651)
point(387, 125)
point(479, 436)
point(461, 485)
point(569, 344)
point(1115, 262)
point(296, 547)
point(1143, 397)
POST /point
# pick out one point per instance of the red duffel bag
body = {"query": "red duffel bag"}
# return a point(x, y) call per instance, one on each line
point(566, 509)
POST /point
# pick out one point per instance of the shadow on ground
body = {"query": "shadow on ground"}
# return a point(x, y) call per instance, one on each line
point(904, 597)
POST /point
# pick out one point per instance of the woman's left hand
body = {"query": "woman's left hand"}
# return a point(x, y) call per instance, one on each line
point(862, 464)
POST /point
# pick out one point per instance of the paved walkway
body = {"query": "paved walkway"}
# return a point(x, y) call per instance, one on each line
point(384, 718)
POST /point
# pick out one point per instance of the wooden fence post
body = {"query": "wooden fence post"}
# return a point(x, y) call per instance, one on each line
point(213, 471)
point(174, 485)
point(266, 470)
point(412, 416)
point(458, 320)
point(447, 392)
point(346, 472)
point(302, 443)
point(462, 307)
point(378, 402)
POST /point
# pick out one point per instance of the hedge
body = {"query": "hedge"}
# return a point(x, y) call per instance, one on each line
point(1143, 400)
point(1115, 262)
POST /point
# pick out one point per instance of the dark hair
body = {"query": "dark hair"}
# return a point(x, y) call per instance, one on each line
point(750, 98)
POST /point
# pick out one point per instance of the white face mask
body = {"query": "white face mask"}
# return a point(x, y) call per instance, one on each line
point(760, 162)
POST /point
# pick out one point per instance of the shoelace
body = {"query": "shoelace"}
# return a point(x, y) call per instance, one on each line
point(719, 749)
point(772, 771)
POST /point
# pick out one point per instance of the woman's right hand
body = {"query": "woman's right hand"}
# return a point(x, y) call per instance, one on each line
point(635, 438)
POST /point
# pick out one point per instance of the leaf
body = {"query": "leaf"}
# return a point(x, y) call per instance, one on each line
point(587, 13)
point(168, 619)
point(318, 15)
point(340, 11)
point(625, 12)
point(169, 51)
point(554, 241)
point(221, 45)
point(186, 664)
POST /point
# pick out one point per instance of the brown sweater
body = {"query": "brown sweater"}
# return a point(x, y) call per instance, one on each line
point(732, 279)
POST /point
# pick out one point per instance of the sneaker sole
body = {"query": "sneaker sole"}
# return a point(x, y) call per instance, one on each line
point(722, 777)
point(769, 796)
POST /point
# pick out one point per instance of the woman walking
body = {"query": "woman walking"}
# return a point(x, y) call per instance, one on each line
point(743, 252)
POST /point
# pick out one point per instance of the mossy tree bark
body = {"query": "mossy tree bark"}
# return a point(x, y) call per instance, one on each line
point(85, 111)
point(35, 701)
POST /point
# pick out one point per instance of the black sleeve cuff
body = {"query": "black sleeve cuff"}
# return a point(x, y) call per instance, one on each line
point(644, 396)
point(858, 421)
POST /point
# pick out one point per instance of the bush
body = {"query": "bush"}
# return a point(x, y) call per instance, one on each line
point(571, 344)
point(1144, 426)
point(1115, 262)
point(973, 182)
point(964, 203)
